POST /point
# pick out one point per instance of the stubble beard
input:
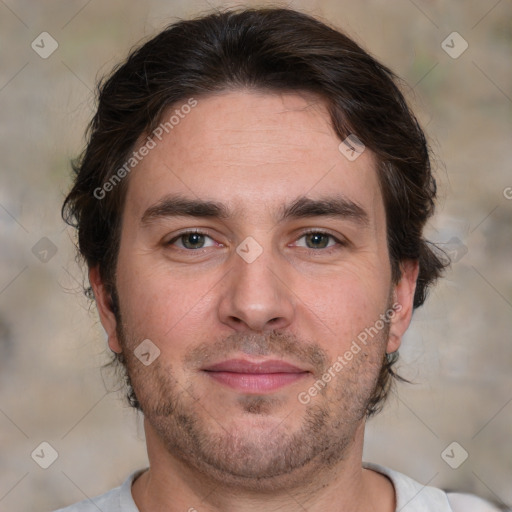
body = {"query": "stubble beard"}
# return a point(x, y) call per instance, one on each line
point(277, 456)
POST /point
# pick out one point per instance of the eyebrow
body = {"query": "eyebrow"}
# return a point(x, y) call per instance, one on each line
point(303, 207)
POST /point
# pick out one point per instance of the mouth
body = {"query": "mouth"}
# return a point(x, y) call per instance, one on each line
point(253, 376)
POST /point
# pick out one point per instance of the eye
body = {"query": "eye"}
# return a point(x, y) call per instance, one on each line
point(191, 240)
point(194, 240)
point(319, 240)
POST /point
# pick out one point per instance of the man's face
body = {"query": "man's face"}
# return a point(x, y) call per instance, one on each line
point(252, 285)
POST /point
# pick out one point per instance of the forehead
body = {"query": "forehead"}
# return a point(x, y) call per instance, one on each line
point(253, 151)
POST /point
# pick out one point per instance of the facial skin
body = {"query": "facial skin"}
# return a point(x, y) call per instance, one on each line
point(303, 300)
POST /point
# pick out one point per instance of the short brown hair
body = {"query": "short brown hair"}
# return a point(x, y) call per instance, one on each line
point(264, 49)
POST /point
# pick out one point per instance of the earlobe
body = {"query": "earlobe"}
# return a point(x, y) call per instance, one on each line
point(105, 310)
point(403, 299)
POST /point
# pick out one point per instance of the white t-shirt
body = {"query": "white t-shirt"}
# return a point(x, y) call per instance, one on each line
point(411, 496)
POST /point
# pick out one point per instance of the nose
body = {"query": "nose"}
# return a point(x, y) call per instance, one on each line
point(257, 296)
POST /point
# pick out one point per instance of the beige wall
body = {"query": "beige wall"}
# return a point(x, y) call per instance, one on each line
point(458, 350)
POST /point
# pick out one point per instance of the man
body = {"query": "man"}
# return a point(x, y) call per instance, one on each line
point(250, 206)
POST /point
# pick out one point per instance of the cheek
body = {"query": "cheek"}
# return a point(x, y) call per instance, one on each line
point(344, 306)
point(142, 295)
point(164, 305)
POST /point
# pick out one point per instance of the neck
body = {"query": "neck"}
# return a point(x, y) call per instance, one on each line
point(172, 484)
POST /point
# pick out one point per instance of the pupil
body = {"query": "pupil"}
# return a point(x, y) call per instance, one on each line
point(316, 237)
point(193, 239)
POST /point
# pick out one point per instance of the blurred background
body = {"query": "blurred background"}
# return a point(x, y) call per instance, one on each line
point(458, 351)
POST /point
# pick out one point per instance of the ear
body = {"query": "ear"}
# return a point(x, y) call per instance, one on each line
point(403, 298)
point(104, 305)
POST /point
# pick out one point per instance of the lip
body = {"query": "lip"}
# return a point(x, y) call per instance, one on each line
point(255, 376)
point(246, 366)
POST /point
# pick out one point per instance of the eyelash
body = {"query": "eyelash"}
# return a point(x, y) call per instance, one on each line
point(328, 250)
